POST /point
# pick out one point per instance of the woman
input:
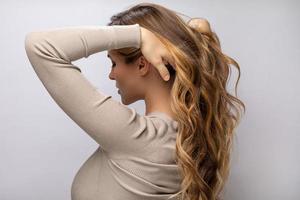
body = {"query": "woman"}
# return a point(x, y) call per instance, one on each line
point(181, 147)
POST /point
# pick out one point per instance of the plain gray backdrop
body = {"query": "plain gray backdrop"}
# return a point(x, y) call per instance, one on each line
point(41, 148)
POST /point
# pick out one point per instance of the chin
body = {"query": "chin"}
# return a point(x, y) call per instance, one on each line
point(127, 101)
point(124, 102)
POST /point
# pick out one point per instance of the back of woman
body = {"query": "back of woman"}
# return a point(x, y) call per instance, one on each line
point(180, 148)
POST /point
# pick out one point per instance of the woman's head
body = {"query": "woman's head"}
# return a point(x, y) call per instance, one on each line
point(135, 77)
point(199, 98)
point(133, 73)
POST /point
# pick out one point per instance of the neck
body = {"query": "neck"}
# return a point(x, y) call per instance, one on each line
point(159, 101)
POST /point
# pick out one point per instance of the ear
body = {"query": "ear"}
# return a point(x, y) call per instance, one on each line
point(143, 65)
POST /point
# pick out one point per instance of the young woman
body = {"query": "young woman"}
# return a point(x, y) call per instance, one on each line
point(181, 147)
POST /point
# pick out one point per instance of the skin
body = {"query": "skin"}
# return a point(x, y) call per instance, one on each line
point(200, 23)
point(141, 81)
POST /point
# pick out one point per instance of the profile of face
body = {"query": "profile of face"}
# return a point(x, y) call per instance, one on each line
point(130, 78)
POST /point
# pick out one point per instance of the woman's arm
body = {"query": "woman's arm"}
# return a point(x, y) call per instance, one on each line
point(74, 42)
point(114, 126)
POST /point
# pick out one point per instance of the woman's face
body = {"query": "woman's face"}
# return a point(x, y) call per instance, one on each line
point(126, 77)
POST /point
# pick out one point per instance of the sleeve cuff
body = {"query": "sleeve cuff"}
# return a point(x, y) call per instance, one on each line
point(127, 36)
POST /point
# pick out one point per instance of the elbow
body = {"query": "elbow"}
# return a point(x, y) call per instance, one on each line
point(30, 40)
point(35, 46)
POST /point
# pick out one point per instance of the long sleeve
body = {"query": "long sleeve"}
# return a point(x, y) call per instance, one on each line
point(114, 126)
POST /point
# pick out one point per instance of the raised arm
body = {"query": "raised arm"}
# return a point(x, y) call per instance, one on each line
point(74, 42)
point(114, 126)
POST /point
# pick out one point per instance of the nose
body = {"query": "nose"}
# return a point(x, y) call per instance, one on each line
point(111, 76)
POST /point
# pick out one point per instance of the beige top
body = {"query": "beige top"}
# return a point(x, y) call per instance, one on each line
point(135, 159)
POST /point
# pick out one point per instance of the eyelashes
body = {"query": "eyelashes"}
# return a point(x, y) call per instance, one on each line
point(113, 64)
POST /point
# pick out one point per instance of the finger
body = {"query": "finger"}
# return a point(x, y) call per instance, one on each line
point(163, 71)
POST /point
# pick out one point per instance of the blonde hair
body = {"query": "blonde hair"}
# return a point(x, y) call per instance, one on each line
point(207, 114)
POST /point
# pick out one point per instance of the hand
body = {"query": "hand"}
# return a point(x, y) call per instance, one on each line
point(201, 24)
point(156, 53)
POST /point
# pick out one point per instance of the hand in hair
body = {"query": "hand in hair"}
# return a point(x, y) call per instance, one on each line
point(201, 24)
point(156, 53)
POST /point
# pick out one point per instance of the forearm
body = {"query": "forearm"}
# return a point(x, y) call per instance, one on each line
point(74, 42)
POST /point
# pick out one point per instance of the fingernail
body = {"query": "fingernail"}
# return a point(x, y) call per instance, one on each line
point(167, 77)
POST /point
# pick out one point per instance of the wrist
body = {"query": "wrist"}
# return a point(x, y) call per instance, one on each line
point(145, 33)
point(142, 35)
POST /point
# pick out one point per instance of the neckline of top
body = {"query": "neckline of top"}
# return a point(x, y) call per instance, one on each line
point(162, 114)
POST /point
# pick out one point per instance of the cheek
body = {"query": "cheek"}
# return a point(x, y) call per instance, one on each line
point(125, 78)
point(121, 75)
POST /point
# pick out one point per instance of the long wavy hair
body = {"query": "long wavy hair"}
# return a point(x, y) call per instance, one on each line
point(207, 114)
